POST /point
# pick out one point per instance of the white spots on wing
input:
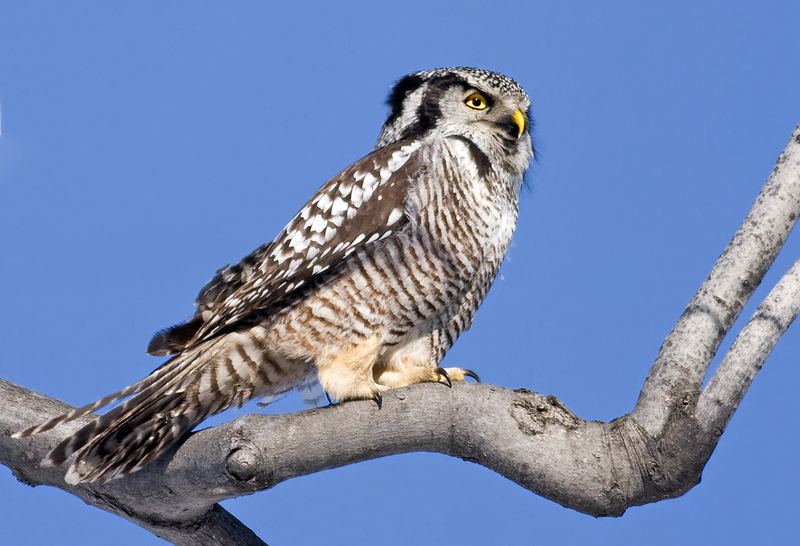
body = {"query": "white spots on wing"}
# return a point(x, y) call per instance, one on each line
point(293, 265)
point(339, 207)
point(368, 193)
point(394, 216)
point(370, 181)
point(281, 254)
point(357, 196)
point(307, 239)
point(324, 202)
point(400, 157)
point(312, 252)
point(299, 242)
point(318, 238)
point(293, 285)
point(319, 224)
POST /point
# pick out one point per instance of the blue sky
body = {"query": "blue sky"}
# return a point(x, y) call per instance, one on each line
point(144, 145)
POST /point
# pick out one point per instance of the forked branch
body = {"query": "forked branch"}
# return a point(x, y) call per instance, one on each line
point(657, 451)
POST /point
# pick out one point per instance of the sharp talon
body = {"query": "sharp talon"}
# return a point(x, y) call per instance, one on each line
point(473, 375)
point(442, 371)
point(378, 399)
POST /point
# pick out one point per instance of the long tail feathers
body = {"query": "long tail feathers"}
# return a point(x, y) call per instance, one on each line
point(80, 412)
point(134, 433)
point(123, 440)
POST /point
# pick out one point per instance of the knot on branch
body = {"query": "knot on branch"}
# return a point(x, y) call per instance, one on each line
point(688, 403)
point(533, 412)
point(243, 463)
point(244, 459)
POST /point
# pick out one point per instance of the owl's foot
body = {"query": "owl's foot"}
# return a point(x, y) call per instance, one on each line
point(412, 375)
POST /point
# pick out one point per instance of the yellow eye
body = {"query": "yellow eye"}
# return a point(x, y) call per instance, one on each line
point(476, 102)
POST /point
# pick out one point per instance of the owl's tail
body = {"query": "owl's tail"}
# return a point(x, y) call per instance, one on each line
point(137, 431)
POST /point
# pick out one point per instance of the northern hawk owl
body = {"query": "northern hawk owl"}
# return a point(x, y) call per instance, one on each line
point(368, 286)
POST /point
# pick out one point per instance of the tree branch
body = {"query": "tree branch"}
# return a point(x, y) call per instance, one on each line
point(747, 355)
point(534, 440)
point(687, 352)
point(658, 451)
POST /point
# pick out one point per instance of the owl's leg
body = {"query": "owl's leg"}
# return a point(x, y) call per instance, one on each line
point(348, 375)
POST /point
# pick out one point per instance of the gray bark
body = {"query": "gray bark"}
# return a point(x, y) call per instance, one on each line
point(657, 451)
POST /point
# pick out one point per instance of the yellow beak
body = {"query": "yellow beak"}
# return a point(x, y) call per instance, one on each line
point(519, 117)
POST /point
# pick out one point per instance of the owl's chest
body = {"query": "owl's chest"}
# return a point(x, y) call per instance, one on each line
point(463, 215)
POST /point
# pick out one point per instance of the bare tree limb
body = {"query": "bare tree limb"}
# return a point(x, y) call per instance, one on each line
point(747, 355)
point(657, 451)
point(687, 352)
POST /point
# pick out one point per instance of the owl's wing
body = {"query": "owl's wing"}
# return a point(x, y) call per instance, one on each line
point(360, 205)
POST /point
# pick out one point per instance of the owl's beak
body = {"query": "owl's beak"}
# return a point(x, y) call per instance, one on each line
point(519, 118)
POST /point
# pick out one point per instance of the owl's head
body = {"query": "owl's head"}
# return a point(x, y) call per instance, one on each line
point(487, 108)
